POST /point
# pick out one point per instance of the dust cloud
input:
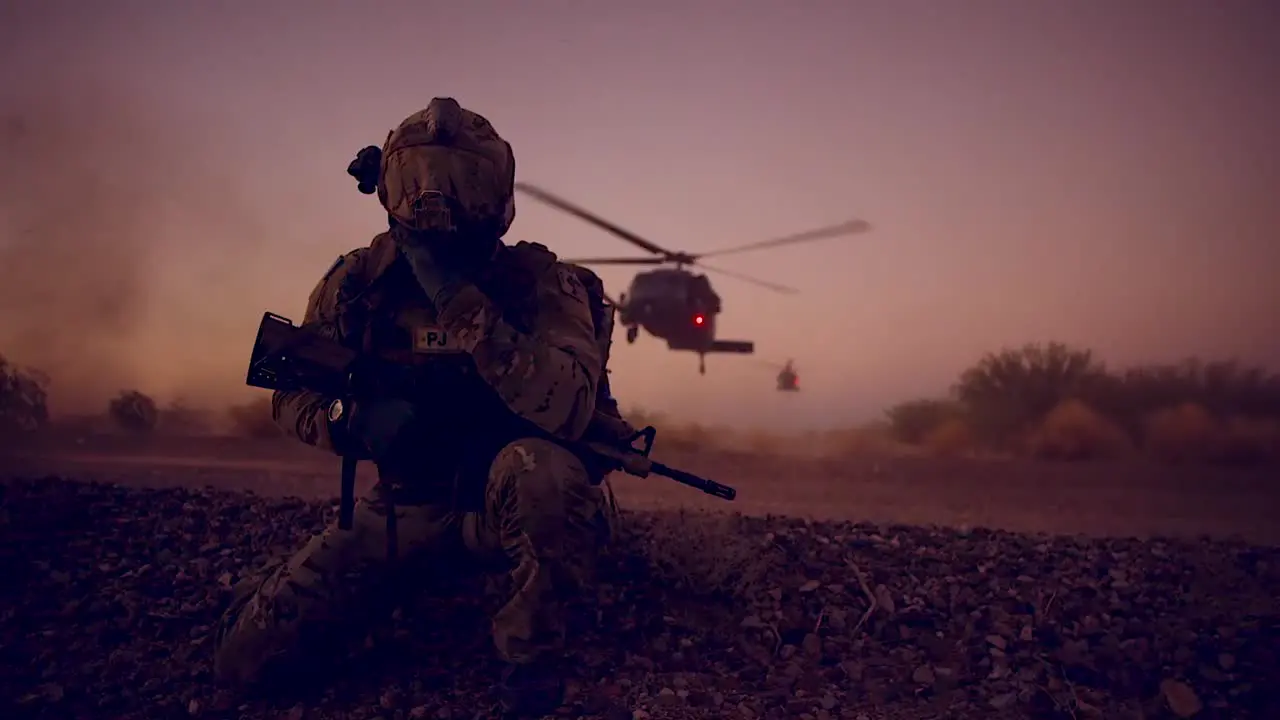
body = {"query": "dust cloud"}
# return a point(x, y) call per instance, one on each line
point(98, 194)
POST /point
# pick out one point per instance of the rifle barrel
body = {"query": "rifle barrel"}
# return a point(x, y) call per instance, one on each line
point(710, 487)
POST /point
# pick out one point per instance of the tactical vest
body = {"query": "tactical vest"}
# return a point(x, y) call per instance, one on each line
point(381, 310)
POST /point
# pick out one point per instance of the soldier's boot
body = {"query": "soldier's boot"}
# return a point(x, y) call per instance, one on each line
point(531, 689)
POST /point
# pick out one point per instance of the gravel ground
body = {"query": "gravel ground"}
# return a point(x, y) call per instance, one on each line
point(109, 593)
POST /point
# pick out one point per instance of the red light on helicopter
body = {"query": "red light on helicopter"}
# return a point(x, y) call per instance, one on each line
point(698, 320)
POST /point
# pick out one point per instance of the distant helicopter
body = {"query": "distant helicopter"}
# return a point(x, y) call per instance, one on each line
point(788, 376)
point(672, 303)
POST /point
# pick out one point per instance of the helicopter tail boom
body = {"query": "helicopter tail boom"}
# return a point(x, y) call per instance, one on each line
point(741, 347)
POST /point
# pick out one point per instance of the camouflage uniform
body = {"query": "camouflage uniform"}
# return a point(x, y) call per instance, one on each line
point(539, 340)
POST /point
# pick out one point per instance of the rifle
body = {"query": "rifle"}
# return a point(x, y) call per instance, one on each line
point(288, 357)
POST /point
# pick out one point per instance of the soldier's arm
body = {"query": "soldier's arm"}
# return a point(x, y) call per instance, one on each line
point(303, 414)
point(548, 376)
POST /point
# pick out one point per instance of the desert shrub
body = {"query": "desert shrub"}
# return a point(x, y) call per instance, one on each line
point(253, 419)
point(134, 412)
point(910, 422)
point(1010, 392)
point(182, 418)
point(952, 437)
point(1075, 431)
point(1249, 440)
point(23, 398)
point(1186, 432)
point(1221, 388)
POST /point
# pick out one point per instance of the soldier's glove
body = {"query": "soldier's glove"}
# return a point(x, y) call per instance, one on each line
point(439, 278)
point(379, 425)
point(436, 279)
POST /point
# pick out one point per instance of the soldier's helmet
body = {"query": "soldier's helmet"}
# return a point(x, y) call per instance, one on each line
point(445, 169)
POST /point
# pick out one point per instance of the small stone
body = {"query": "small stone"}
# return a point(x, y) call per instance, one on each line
point(1003, 700)
point(997, 641)
point(812, 645)
point(1226, 661)
point(1182, 700)
point(884, 599)
point(923, 675)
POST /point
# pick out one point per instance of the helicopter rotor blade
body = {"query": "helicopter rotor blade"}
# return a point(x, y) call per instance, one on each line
point(846, 228)
point(755, 281)
point(568, 207)
point(616, 261)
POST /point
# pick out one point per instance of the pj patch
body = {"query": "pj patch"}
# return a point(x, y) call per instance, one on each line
point(434, 339)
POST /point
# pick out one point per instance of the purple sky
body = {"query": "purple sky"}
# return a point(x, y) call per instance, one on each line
point(1103, 173)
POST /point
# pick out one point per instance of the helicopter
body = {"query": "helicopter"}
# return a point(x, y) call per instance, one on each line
point(788, 378)
point(673, 303)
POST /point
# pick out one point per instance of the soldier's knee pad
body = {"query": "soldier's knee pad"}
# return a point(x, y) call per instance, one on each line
point(544, 493)
point(535, 466)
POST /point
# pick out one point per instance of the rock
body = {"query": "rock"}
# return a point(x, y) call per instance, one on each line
point(1003, 700)
point(695, 615)
point(812, 645)
point(1182, 700)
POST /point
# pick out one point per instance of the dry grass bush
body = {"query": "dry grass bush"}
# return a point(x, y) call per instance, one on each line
point(952, 438)
point(1250, 440)
point(253, 420)
point(1008, 392)
point(1189, 433)
point(1184, 433)
point(134, 412)
point(1075, 431)
point(1053, 401)
point(911, 422)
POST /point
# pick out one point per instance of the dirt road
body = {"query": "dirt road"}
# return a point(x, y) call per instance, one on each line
point(1099, 499)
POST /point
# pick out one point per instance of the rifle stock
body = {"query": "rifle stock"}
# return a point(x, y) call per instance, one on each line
point(288, 357)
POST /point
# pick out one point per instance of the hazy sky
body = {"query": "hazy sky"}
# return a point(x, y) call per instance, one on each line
point(1104, 173)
